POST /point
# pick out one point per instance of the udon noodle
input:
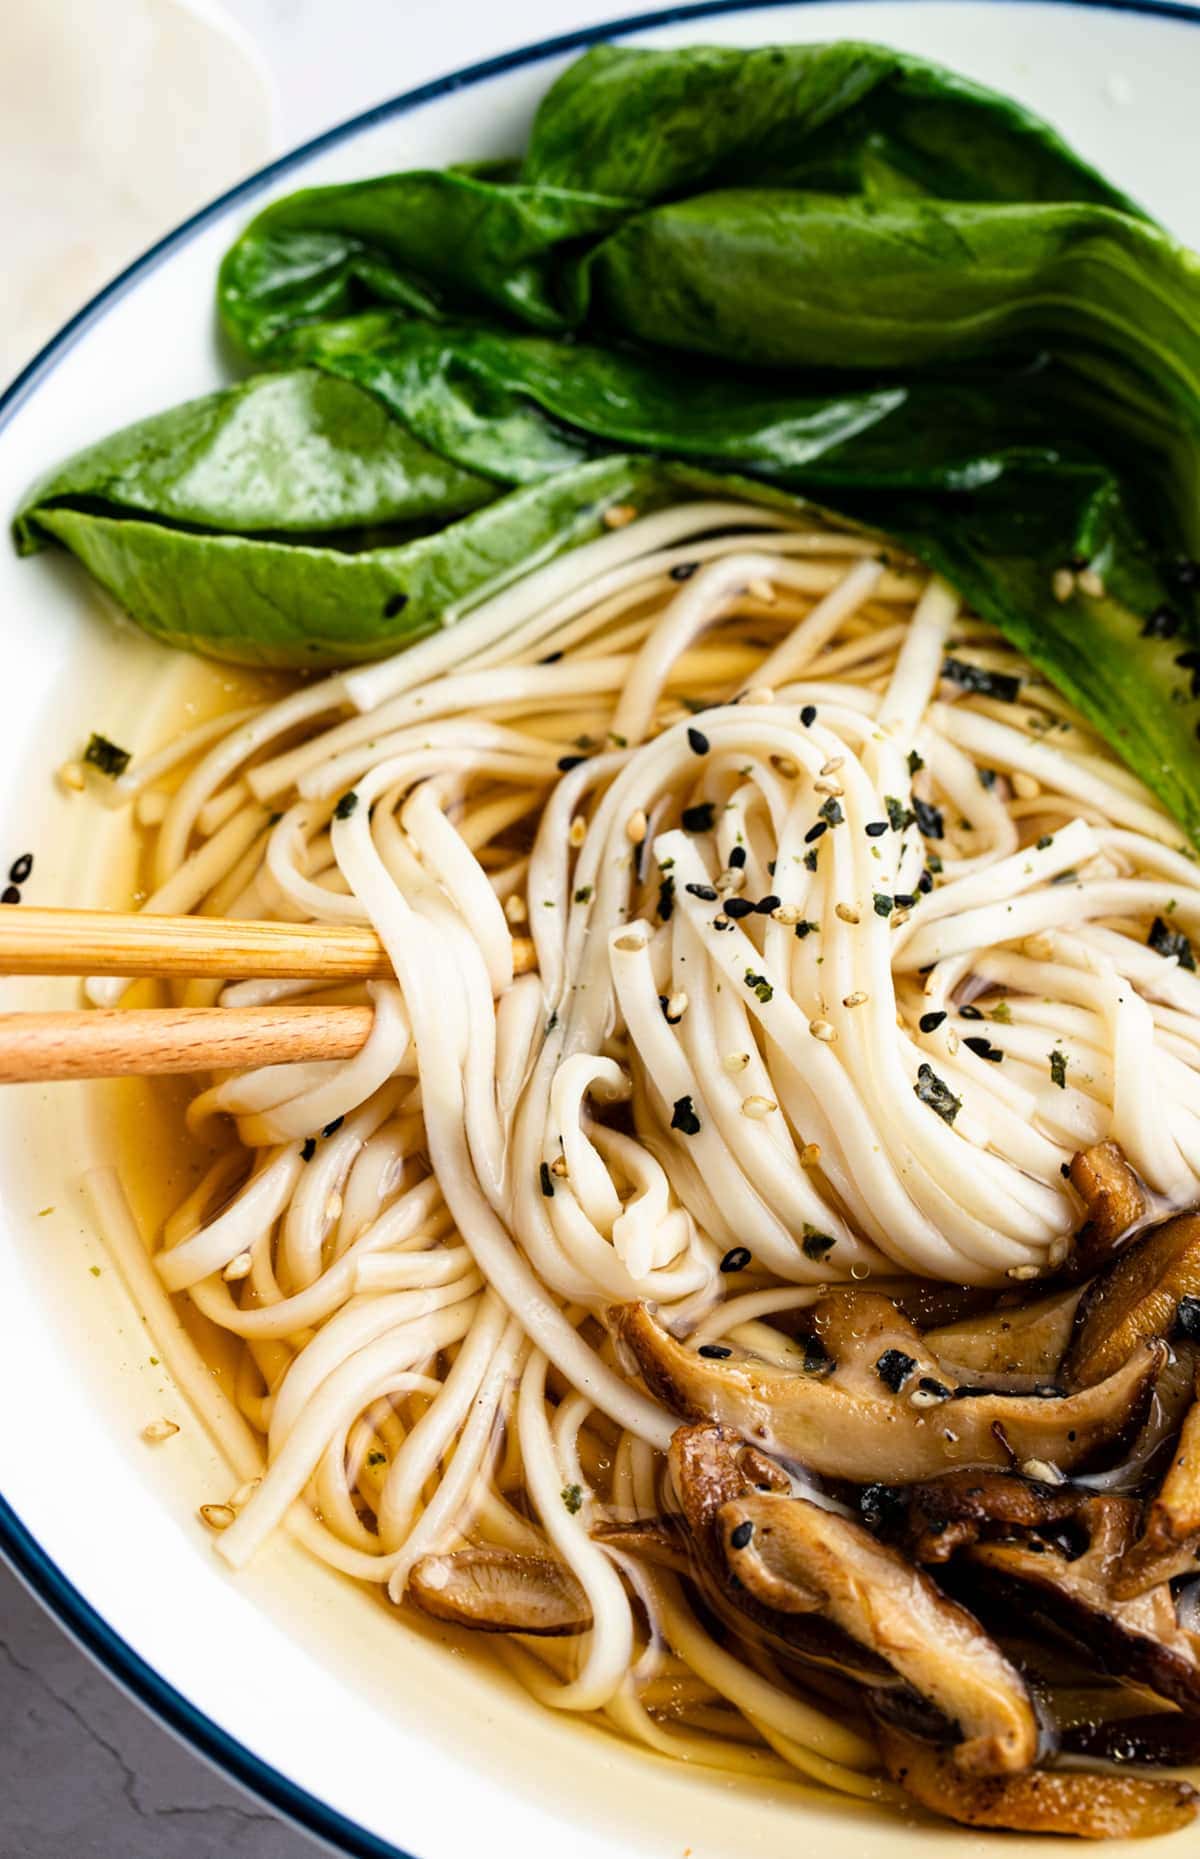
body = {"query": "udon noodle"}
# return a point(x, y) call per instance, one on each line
point(832, 919)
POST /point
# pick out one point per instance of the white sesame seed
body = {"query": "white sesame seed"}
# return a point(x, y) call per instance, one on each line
point(760, 694)
point(1090, 583)
point(618, 515)
point(159, 1430)
point(635, 827)
point(677, 1006)
point(218, 1516)
point(733, 878)
point(787, 913)
point(515, 908)
point(833, 764)
point(1062, 584)
point(924, 1397)
point(810, 1155)
point(857, 999)
point(238, 1267)
point(577, 831)
point(1043, 1471)
point(822, 1030)
point(630, 945)
point(828, 787)
point(72, 777)
point(559, 1167)
point(951, 1042)
point(1024, 786)
point(1022, 1273)
point(760, 589)
point(758, 1107)
point(736, 1061)
point(846, 912)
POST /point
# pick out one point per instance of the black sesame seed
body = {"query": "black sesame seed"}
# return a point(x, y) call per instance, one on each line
point(721, 923)
point(551, 658)
point(737, 859)
point(683, 571)
point(905, 900)
point(805, 929)
point(394, 604)
point(925, 883)
point(331, 1129)
point(983, 1049)
point(684, 1118)
point(929, 1022)
point(567, 762)
point(740, 1535)
point(698, 819)
point(697, 742)
point(704, 892)
point(714, 1352)
point(971, 1013)
point(736, 1259)
point(808, 715)
point(10, 895)
point(765, 905)
point(308, 1148)
point(814, 832)
point(1064, 1169)
point(876, 829)
point(738, 907)
point(894, 1368)
point(547, 1184)
point(929, 819)
point(928, 1385)
point(20, 868)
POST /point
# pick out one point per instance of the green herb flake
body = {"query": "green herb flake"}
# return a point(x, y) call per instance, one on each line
point(1001, 1012)
point(899, 816)
point(883, 905)
point(377, 1458)
point(584, 894)
point(758, 985)
point(572, 1497)
point(106, 756)
point(346, 805)
point(933, 1091)
point(831, 810)
point(1058, 1068)
point(915, 762)
point(94, 1270)
point(816, 1245)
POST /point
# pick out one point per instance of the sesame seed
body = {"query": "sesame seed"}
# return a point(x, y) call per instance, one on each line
point(630, 945)
point(619, 515)
point(1022, 1273)
point(846, 912)
point(676, 1007)
point(924, 1397)
point(635, 827)
point(787, 913)
point(929, 1022)
point(238, 1267)
point(760, 694)
point(822, 1030)
point(737, 858)
point(833, 764)
point(1024, 786)
point(577, 831)
point(828, 787)
point(736, 1061)
point(697, 741)
point(758, 1107)
point(736, 1259)
point(808, 715)
point(761, 589)
point(810, 1155)
point(218, 1516)
point(876, 829)
point(158, 1431)
point(72, 777)
point(515, 908)
point(732, 879)
point(1043, 1472)
point(1090, 583)
point(559, 1167)
point(857, 999)
point(1062, 584)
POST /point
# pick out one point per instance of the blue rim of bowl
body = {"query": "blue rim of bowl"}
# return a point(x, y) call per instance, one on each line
point(17, 1545)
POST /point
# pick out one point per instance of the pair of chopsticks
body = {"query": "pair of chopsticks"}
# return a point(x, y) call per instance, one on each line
point(115, 1042)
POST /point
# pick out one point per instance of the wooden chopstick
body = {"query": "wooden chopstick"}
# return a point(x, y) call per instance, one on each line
point(110, 942)
point(40, 1048)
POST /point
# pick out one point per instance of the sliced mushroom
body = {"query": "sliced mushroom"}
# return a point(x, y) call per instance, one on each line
point(1139, 1641)
point(880, 1410)
point(1112, 1195)
point(1135, 1299)
point(951, 1513)
point(1095, 1807)
point(499, 1591)
point(651, 1538)
point(1171, 1532)
point(796, 1557)
point(710, 1467)
point(1018, 1347)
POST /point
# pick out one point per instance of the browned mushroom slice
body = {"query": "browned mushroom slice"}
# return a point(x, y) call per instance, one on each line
point(794, 1556)
point(651, 1538)
point(1137, 1298)
point(875, 1412)
point(1093, 1807)
point(710, 1466)
point(950, 1513)
point(1020, 1346)
point(1171, 1532)
point(1138, 1640)
point(499, 1591)
point(1112, 1195)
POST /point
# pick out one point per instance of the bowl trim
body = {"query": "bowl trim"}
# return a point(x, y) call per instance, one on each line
point(40, 1574)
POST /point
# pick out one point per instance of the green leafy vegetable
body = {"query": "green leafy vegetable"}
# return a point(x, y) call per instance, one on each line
point(842, 273)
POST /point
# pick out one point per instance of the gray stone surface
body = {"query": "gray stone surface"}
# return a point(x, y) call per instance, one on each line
point(86, 1774)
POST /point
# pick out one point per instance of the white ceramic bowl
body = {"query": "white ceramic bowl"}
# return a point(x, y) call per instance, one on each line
point(369, 1732)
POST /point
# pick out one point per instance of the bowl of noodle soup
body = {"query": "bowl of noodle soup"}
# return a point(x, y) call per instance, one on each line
point(646, 841)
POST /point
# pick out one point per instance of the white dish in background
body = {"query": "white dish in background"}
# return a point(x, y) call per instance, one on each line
point(362, 1727)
